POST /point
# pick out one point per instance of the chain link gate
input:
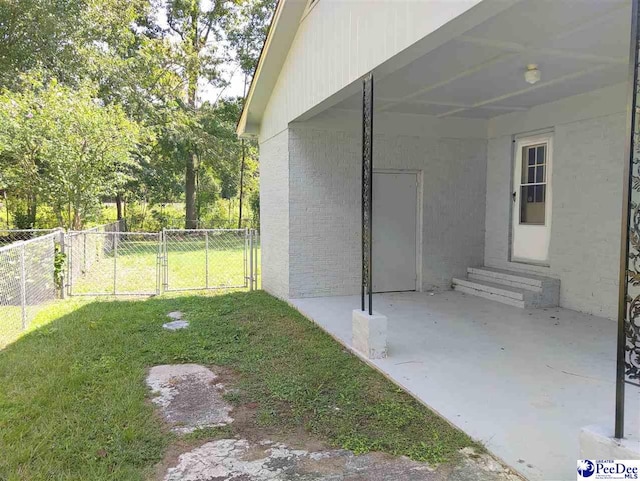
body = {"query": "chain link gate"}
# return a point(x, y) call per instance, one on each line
point(143, 263)
point(113, 263)
point(196, 259)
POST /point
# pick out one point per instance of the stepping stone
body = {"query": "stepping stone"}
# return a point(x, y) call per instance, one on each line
point(175, 315)
point(189, 397)
point(175, 325)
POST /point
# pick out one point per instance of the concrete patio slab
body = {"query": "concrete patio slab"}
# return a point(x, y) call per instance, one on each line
point(522, 381)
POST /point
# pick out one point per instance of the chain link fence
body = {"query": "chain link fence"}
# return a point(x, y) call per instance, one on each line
point(87, 247)
point(106, 260)
point(28, 282)
point(143, 263)
point(9, 236)
point(113, 263)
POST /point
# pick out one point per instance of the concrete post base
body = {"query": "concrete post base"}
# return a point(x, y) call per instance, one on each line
point(597, 442)
point(369, 334)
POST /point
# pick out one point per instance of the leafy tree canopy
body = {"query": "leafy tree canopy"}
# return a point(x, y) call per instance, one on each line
point(64, 147)
point(112, 99)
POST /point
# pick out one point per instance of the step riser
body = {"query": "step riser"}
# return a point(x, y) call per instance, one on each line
point(512, 288)
point(489, 295)
point(507, 279)
point(504, 282)
point(496, 291)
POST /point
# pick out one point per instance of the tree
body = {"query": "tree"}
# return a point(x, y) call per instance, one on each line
point(247, 38)
point(69, 148)
point(200, 28)
point(147, 62)
point(63, 39)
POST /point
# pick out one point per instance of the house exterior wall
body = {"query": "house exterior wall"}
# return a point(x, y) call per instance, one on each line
point(586, 181)
point(274, 214)
point(348, 39)
point(325, 182)
point(325, 213)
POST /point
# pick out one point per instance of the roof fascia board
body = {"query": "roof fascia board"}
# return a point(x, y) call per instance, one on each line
point(282, 31)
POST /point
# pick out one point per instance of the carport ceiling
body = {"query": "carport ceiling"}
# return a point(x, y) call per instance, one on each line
point(578, 45)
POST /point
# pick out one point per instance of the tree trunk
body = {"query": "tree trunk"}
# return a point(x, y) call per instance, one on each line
point(191, 221)
point(119, 205)
point(59, 216)
point(32, 210)
point(190, 193)
point(6, 206)
point(77, 220)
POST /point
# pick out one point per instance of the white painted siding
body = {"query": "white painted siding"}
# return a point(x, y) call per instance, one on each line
point(339, 41)
point(274, 214)
point(587, 195)
point(325, 200)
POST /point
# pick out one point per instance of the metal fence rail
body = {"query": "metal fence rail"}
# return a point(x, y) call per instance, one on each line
point(27, 282)
point(9, 236)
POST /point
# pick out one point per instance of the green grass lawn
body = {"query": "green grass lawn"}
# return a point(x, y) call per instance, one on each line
point(74, 406)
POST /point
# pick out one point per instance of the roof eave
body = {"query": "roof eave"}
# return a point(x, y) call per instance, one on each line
point(282, 30)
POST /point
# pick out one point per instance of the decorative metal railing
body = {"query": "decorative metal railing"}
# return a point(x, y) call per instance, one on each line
point(628, 363)
point(367, 190)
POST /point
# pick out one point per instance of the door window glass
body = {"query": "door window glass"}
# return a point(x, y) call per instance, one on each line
point(533, 184)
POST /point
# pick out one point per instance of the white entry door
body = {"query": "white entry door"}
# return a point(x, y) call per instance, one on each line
point(395, 204)
point(532, 200)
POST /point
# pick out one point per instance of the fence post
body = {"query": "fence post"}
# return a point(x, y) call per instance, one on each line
point(251, 260)
point(206, 258)
point(165, 262)
point(159, 265)
point(70, 239)
point(245, 254)
point(63, 274)
point(115, 262)
point(256, 269)
point(84, 253)
point(23, 287)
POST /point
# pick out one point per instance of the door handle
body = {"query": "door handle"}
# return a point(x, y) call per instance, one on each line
point(514, 195)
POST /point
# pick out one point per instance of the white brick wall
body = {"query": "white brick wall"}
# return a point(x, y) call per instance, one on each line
point(325, 205)
point(310, 199)
point(274, 214)
point(325, 213)
point(587, 201)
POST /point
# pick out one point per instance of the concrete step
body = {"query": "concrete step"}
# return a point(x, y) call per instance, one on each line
point(488, 290)
point(509, 287)
point(511, 278)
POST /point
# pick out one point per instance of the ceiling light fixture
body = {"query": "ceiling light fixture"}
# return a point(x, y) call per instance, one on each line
point(532, 75)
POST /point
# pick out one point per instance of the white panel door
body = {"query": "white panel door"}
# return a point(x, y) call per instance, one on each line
point(395, 204)
point(532, 200)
